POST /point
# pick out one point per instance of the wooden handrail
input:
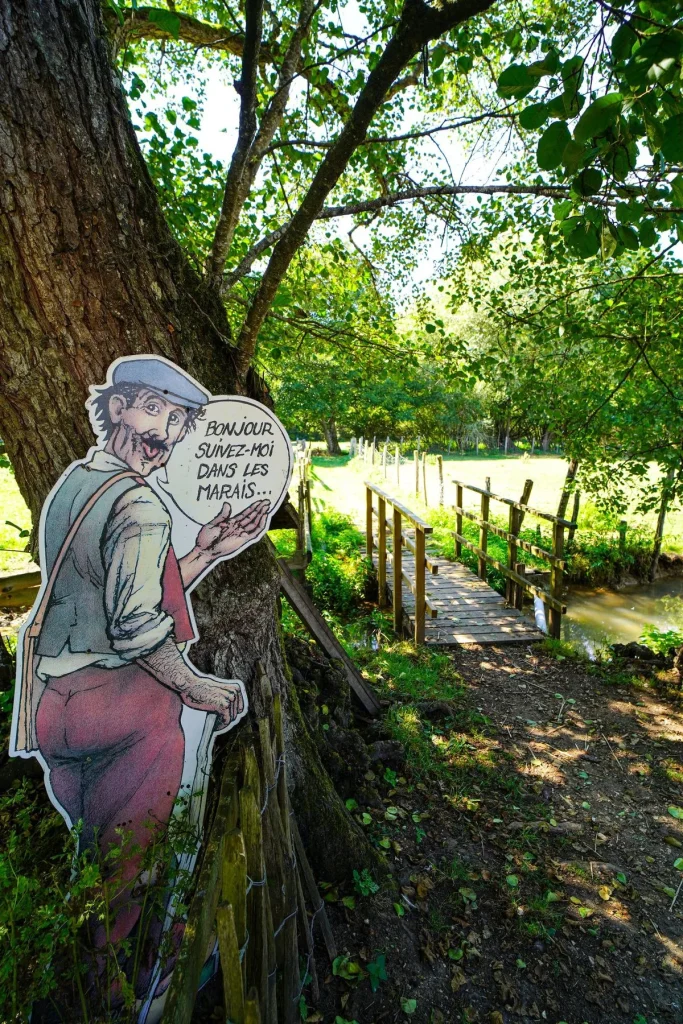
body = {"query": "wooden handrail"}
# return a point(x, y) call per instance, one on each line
point(411, 516)
point(547, 598)
point(516, 504)
point(400, 539)
point(408, 542)
point(533, 549)
point(515, 572)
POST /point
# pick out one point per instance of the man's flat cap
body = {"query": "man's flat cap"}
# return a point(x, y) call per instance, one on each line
point(162, 377)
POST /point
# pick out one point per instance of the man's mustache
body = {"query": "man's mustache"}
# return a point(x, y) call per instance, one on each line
point(155, 443)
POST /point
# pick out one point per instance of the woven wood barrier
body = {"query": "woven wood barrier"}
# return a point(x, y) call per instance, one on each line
point(255, 889)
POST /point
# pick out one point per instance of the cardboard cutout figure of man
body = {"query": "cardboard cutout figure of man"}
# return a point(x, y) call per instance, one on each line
point(104, 675)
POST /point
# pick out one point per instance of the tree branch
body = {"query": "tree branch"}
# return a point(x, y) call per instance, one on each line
point(406, 137)
point(391, 199)
point(234, 186)
point(419, 23)
point(141, 24)
point(237, 189)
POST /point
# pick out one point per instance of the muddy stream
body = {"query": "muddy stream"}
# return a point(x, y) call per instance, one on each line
point(597, 617)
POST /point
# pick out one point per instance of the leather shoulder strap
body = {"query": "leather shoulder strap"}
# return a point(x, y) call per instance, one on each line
point(37, 620)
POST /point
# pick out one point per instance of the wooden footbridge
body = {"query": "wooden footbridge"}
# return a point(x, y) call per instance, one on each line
point(444, 603)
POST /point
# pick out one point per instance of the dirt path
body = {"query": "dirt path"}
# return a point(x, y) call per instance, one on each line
point(543, 890)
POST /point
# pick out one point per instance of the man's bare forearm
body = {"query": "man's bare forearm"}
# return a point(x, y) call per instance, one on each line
point(193, 564)
point(224, 698)
point(168, 666)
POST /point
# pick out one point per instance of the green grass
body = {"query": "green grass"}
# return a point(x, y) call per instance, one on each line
point(13, 508)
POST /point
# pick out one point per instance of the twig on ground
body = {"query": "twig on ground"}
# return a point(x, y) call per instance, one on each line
point(612, 752)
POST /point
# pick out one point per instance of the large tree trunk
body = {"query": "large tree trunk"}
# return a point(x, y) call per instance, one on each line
point(331, 438)
point(90, 271)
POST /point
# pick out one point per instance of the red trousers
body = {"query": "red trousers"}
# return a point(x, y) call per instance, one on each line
point(114, 746)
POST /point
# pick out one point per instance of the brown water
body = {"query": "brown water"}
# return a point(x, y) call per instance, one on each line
point(596, 618)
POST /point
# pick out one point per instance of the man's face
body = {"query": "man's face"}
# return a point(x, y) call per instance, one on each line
point(145, 430)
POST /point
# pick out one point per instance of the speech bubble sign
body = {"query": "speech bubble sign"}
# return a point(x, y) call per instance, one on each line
point(238, 452)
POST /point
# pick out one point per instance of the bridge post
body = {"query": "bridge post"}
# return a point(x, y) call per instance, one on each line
point(368, 522)
point(419, 586)
point(483, 530)
point(458, 519)
point(382, 551)
point(520, 569)
point(397, 556)
point(416, 457)
point(556, 573)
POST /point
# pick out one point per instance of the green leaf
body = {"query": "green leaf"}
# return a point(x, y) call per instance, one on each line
point(166, 20)
point(455, 954)
point(188, 104)
point(468, 895)
point(584, 240)
point(599, 116)
point(349, 902)
point(573, 155)
point(408, 1005)
point(512, 881)
point(351, 804)
point(547, 66)
point(572, 71)
point(566, 105)
point(533, 116)
point(677, 189)
point(437, 57)
point(400, 909)
point(366, 819)
point(377, 971)
point(672, 144)
point(628, 237)
point(588, 183)
point(623, 42)
point(648, 233)
point(515, 82)
point(117, 10)
point(676, 812)
point(678, 864)
point(551, 146)
point(430, 328)
point(385, 843)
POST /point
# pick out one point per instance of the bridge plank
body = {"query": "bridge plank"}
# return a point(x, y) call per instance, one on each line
point(468, 610)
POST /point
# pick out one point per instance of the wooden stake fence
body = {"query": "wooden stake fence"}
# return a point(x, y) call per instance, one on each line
point(255, 889)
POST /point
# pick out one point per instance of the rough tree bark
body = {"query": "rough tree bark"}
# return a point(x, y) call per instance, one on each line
point(89, 271)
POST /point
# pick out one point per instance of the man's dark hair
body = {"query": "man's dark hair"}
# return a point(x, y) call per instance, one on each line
point(130, 392)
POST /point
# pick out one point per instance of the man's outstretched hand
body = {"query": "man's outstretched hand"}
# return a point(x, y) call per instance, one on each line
point(225, 535)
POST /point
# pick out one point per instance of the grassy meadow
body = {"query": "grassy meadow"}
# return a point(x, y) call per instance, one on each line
point(339, 482)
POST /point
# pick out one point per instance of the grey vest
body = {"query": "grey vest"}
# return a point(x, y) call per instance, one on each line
point(75, 616)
